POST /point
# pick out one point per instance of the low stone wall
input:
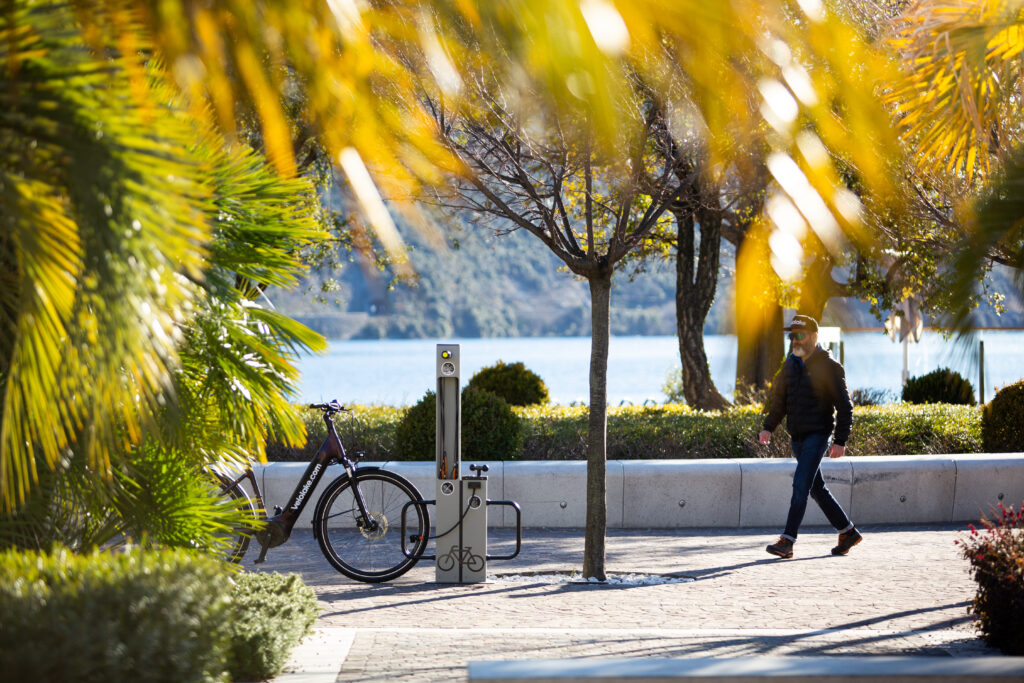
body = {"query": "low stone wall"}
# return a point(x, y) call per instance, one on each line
point(751, 492)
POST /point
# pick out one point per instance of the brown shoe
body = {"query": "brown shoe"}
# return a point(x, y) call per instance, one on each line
point(783, 547)
point(847, 541)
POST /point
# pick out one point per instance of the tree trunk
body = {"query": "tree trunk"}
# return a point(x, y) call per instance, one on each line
point(597, 436)
point(819, 286)
point(761, 350)
point(695, 292)
point(759, 335)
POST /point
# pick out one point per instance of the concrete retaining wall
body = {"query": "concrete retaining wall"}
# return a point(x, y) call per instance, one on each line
point(719, 493)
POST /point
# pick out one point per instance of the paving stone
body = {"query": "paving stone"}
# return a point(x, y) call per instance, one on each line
point(904, 590)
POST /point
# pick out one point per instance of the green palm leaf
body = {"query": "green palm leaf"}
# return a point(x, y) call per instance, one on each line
point(103, 218)
point(996, 228)
point(956, 101)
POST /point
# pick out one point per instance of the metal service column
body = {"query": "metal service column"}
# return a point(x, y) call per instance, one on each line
point(461, 517)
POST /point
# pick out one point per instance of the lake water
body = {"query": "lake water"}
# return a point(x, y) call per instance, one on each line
point(400, 371)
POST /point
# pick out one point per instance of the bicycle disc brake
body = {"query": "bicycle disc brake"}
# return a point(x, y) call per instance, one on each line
point(377, 527)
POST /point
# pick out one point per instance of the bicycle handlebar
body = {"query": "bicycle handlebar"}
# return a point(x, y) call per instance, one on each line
point(330, 408)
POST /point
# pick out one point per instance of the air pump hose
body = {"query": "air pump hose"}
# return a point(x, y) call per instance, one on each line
point(458, 523)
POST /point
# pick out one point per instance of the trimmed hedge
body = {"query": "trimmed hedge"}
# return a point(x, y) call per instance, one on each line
point(676, 431)
point(370, 429)
point(160, 616)
point(270, 615)
point(140, 616)
point(554, 432)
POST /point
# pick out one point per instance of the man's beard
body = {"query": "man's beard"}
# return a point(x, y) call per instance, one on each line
point(799, 351)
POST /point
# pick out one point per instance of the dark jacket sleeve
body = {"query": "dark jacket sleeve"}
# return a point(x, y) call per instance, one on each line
point(844, 407)
point(776, 401)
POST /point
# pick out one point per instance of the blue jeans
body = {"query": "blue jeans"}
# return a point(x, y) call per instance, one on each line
point(807, 480)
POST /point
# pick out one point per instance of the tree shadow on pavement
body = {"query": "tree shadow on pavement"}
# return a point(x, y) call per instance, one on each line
point(469, 591)
point(715, 572)
point(843, 639)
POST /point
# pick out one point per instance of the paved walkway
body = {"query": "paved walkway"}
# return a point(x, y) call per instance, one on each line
point(904, 590)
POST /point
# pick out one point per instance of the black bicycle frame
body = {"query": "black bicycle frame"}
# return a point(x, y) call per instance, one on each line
point(279, 527)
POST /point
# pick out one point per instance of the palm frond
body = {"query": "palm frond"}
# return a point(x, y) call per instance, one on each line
point(996, 227)
point(104, 217)
point(956, 98)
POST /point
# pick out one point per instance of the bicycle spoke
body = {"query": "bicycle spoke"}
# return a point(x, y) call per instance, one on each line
point(350, 511)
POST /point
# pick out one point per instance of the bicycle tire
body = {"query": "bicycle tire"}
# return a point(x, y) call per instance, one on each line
point(240, 536)
point(372, 556)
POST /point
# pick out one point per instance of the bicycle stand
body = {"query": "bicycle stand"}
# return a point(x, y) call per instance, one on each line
point(460, 558)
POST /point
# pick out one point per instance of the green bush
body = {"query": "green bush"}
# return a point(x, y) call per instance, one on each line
point(996, 555)
point(131, 616)
point(939, 386)
point(270, 613)
point(678, 431)
point(512, 382)
point(915, 429)
point(1002, 420)
point(490, 428)
point(555, 432)
point(145, 615)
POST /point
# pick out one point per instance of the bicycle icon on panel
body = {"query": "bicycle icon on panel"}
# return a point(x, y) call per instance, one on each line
point(463, 556)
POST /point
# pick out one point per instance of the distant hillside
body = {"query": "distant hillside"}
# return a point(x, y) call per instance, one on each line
point(486, 285)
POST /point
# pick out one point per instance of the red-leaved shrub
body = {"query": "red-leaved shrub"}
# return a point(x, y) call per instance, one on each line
point(996, 554)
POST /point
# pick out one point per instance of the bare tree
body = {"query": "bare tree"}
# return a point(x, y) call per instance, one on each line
point(693, 242)
point(539, 173)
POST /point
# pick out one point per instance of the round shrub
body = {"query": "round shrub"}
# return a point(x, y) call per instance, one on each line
point(939, 386)
point(490, 429)
point(1002, 420)
point(513, 382)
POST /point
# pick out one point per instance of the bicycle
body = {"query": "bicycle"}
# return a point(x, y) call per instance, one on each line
point(356, 518)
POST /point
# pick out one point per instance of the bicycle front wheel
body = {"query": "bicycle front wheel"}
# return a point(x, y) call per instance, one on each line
point(370, 549)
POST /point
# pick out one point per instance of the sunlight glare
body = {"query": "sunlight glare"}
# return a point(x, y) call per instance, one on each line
point(779, 109)
point(787, 255)
point(606, 26)
point(811, 205)
point(347, 13)
point(445, 73)
point(814, 9)
point(372, 204)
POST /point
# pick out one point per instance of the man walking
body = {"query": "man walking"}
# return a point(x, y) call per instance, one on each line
point(810, 391)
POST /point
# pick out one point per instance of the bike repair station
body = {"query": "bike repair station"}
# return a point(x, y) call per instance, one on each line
point(461, 504)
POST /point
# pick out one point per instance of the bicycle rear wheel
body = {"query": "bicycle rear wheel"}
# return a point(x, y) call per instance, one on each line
point(240, 536)
point(370, 550)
